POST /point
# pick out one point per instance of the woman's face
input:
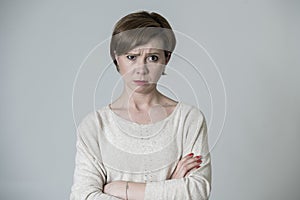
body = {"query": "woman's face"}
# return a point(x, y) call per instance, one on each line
point(142, 66)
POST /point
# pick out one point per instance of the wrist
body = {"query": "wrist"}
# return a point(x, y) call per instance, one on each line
point(136, 191)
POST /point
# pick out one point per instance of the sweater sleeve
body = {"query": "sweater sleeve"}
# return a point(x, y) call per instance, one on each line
point(89, 174)
point(197, 185)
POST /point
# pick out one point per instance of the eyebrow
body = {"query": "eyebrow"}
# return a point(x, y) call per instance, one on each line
point(138, 54)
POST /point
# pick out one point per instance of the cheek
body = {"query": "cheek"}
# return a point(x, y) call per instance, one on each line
point(126, 74)
point(124, 66)
point(157, 72)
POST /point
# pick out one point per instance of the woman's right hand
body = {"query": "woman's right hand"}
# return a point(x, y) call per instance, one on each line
point(186, 165)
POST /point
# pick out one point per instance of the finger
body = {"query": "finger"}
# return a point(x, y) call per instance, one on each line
point(189, 165)
point(184, 169)
point(192, 170)
point(193, 164)
point(194, 159)
point(196, 167)
point(190, 160)
point(187, 157)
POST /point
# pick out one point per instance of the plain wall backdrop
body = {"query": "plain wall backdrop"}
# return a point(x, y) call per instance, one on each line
point(255, 45)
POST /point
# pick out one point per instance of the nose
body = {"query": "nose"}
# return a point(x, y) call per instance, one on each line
point(142, 70)
point(141, 67)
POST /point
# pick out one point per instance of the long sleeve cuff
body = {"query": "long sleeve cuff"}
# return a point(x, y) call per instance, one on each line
point(161, 190)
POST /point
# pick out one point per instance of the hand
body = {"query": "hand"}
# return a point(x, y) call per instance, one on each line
point(186, 165)
point(116, 188)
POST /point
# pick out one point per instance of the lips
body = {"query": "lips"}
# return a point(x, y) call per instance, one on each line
point(140, 82)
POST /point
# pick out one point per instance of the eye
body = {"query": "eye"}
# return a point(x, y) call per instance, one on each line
point(153, 58)
point(131, 57)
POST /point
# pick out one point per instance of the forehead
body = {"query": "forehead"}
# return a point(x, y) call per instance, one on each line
point(153, 45)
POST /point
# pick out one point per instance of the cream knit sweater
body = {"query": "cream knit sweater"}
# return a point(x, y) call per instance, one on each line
point(110, 148)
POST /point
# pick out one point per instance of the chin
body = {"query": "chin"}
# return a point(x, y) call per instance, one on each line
point(147, 88)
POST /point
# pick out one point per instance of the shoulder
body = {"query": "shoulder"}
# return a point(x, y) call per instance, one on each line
point(194, 124)
point(191, 112)
point(93, 121)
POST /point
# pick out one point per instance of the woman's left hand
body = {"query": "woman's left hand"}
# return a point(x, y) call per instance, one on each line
point(186, 165)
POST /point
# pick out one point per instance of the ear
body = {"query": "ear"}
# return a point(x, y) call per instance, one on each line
point(164, 69)
point(168, 58)
point(116, 57)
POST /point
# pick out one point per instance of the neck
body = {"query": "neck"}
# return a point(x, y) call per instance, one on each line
point(140, 101)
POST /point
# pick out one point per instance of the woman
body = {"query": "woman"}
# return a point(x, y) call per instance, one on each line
point(143, 145)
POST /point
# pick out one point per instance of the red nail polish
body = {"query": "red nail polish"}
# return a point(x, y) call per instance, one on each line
point(190, 154)
point(199, 161)
point(198, 167)
point(198, 156)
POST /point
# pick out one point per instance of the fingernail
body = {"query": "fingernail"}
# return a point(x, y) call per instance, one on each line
point(199, 161)
point(198, 167)
point(198, 156)
point(190, 154)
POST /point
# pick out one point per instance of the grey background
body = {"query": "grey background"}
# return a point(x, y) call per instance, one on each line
point(254, 43)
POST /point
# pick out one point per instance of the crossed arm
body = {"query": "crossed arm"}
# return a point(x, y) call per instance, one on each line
point(136, 191)
point(187, 181)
